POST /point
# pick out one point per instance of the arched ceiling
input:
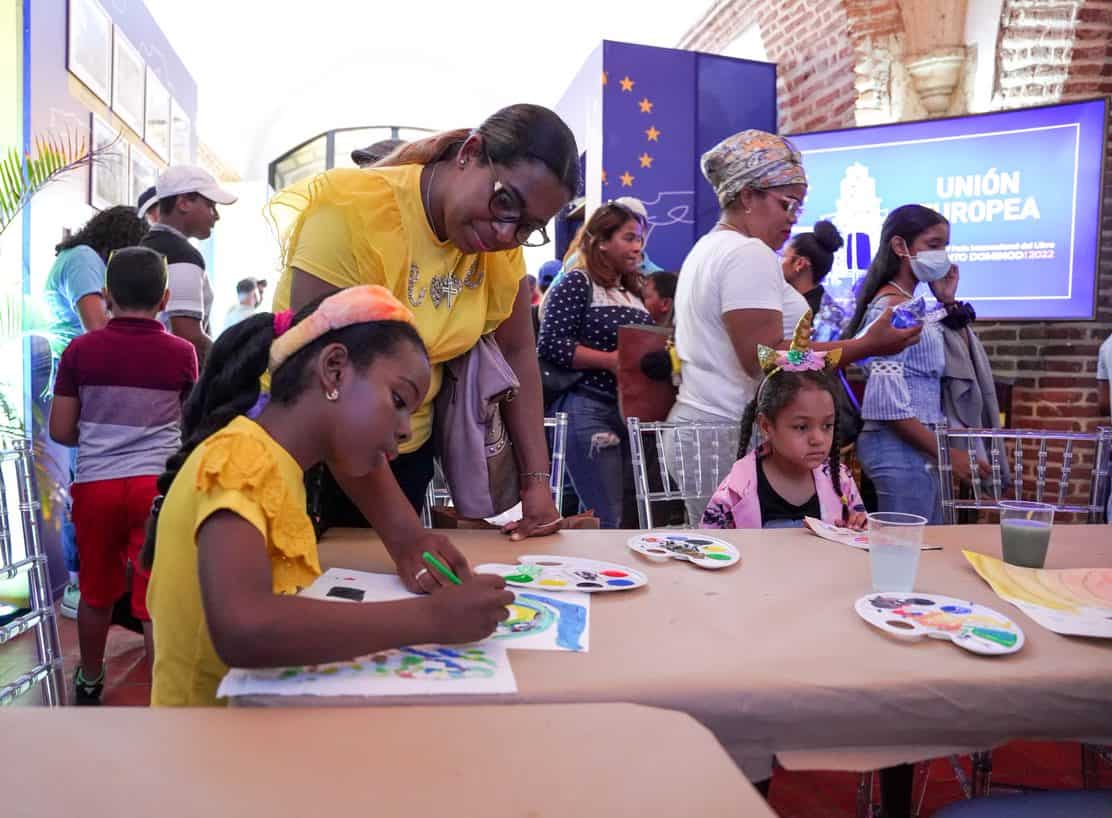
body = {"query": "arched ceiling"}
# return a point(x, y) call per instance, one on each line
point(270, 75)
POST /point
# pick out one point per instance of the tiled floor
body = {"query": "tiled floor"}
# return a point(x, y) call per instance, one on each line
point(794, 795)
point(128, 681)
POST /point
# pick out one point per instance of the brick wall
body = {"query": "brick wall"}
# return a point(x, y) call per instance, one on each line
point(1056, 51)
point(837, 63)
point(1034, 50)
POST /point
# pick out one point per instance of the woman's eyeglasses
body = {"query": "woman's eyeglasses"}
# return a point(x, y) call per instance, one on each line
point(506, 207)
point(792, 206)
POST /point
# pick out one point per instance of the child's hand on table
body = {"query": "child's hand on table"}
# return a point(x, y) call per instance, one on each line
point(471, 611)
point(857, 520)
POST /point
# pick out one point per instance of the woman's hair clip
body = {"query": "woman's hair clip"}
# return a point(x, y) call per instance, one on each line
point(798, 357)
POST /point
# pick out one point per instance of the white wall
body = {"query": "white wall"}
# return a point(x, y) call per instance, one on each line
point(748, 45)
point(982, 27)
point(243, 245)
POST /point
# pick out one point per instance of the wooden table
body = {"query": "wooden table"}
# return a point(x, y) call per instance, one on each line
point(770, 655)
point(498, 762)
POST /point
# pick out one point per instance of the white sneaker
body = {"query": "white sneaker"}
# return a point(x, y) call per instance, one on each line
point(71, 598)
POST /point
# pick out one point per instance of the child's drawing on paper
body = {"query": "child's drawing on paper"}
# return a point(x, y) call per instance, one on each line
point(1075, 601)
point(547, 622)
point(411, 671)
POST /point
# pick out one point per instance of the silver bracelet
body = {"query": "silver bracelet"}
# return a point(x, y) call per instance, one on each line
point(539, 476)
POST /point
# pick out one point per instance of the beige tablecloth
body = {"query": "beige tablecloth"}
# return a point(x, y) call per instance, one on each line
point(770, 655)
point(497, 762)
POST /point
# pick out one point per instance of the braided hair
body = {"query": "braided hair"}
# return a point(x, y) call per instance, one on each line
point(778, 391)
point(229, 383)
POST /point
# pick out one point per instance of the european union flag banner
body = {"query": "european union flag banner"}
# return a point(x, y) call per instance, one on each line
point(649, 141)
point(661, 109)
point(1021, 190)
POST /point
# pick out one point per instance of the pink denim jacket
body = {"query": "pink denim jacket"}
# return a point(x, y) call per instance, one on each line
point(735, 504)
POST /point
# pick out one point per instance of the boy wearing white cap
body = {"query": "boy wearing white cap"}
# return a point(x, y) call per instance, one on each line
point(187, 197)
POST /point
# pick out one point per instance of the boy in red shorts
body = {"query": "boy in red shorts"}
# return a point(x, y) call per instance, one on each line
point(118, 399)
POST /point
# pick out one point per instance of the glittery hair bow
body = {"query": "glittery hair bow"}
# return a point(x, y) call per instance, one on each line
point(355, 305)
point(799, 357)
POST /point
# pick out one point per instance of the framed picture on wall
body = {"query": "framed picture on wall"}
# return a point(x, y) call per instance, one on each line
point(128, 82)
point(144, 172)
point(181, 136)
point(108, 175)
point(89, 46)
point(156, 133)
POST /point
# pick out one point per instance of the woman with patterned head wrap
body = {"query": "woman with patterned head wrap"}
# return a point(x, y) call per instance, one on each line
point(732, 296)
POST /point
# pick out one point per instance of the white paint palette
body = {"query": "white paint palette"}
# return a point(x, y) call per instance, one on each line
point(547, 572)
point(968, 625)
point(698, 549)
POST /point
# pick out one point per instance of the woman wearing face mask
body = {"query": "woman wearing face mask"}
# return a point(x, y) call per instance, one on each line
point(440, 223)
point(903, 393)
point(732, 296)
point(579, 330)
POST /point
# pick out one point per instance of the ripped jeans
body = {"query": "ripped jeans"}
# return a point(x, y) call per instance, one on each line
point(598, 459)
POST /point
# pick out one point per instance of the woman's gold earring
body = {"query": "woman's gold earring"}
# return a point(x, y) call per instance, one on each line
point(333, 395)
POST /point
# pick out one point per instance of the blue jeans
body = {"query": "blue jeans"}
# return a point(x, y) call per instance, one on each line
point(599, 469)
point(905, 478)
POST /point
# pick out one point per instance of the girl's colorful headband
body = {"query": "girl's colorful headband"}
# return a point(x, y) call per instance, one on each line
point(799, 357)
point(354, 305)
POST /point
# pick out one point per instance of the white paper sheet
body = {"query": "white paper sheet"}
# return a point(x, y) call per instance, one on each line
point(538, 620)
point(847, 536)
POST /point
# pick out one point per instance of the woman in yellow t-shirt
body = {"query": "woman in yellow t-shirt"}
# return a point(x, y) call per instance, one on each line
point(233, 541)
point(440, 223)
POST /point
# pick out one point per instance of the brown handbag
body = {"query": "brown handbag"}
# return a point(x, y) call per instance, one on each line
point(639, 396)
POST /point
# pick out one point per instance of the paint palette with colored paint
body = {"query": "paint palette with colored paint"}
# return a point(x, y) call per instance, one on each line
point(698, 549)
point(968, 625)
point(546, 572)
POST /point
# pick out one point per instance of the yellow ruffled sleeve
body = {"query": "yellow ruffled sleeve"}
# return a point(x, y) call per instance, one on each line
point(237, 473)
point(342, 226)
point(504, 271)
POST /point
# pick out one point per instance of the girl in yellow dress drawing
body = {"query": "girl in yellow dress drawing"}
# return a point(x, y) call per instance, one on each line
point(233, 541)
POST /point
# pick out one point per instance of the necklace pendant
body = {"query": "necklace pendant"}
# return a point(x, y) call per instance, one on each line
point(443, 289)
point(415, 300)
point(474, 277)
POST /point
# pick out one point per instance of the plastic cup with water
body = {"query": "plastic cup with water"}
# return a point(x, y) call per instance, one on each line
point(894, 541)
point(1025, 532)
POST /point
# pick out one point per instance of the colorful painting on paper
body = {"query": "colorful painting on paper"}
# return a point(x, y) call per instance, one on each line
point(1074, 601)
point(547, 622)
point(411, 671)
point(537, 621)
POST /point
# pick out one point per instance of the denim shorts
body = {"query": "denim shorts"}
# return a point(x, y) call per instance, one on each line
point(905, 478)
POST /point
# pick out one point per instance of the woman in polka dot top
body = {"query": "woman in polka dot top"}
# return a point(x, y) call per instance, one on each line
point(579, 330)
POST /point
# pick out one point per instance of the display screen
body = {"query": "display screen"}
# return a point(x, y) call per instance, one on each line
point(1021, 189)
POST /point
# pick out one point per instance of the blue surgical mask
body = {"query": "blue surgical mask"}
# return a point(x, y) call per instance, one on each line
point(930, 265)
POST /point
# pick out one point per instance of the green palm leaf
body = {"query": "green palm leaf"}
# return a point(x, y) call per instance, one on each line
point(22, 176)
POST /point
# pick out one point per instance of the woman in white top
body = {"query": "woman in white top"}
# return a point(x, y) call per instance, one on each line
point(732, 296)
